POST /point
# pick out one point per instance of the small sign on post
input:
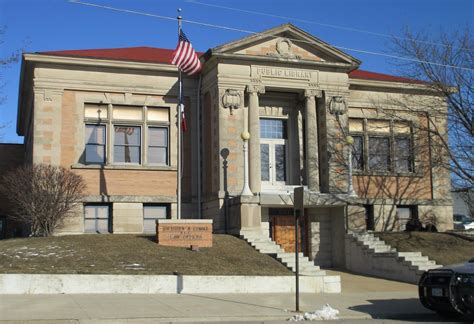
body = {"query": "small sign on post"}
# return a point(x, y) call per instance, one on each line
point(298, 205)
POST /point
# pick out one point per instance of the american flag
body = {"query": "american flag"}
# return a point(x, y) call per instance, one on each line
point(185, 58)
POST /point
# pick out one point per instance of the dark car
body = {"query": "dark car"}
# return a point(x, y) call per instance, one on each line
point(449, 290)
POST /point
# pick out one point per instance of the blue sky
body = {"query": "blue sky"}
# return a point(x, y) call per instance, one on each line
point(43, 25)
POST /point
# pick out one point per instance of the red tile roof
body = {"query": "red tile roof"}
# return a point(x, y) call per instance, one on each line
point(367, 75)
point(164, 56)
point(136, 54)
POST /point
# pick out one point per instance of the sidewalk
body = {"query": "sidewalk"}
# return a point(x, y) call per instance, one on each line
point(362, 298)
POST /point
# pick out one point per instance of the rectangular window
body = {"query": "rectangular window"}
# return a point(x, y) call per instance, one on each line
point(404, 215)
point(128, 113)
point(127, 144)
point(402, 154)
point(358, 153)
point(265, 162)
point(379, 153)
point(150, 214)
point(95, 111)
point(369, 217)
point(136, 134)
point(273, 128)
point(386, 144)
point(95, 144)
point(158, 145)
point(97, 219)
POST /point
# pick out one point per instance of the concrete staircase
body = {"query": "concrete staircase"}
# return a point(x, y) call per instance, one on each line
point(366, 253)
point(264, 244)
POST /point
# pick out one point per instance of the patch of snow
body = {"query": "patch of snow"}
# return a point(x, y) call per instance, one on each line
point(134, 266)
point(325, 313)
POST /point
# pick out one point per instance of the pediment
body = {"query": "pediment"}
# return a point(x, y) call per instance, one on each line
point(286, 42)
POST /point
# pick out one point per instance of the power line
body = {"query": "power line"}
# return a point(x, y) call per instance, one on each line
point(322, 24)
point(255, 33)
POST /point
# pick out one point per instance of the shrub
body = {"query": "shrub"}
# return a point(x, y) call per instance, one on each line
point(41, 195)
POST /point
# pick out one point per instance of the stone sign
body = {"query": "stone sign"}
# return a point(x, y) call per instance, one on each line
point(184, 232)
point(285, 73)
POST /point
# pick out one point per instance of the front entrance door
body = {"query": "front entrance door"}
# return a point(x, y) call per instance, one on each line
point(273, 157)
point(273, 152)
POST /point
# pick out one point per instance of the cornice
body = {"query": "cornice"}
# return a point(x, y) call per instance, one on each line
point(256, 58)
point(79, 61)
point(390, 85)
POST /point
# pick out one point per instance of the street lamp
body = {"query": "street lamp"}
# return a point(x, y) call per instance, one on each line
point(246, 189)
point(350, 188)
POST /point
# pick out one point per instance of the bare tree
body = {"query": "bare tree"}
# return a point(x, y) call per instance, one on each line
point(42, 196)
point(446, 64)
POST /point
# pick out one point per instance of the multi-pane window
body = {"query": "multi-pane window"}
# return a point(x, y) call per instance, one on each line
point(402, 154)
point(381, 145)
point(97, 219)
point(358, 152)
point(127, 144)
point(95, 144)
point(119, 133)
point(150, 214)
point(379, 153)
point(158, 145)
point(273, 128)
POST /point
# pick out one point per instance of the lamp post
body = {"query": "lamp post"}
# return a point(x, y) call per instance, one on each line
point(246, 189)
point(350, 188)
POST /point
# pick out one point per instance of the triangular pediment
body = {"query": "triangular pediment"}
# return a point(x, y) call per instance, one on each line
point(286, 42)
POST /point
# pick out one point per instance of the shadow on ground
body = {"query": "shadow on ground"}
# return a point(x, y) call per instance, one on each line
point(401, 309)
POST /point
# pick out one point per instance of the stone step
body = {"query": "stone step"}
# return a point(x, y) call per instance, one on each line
point(259, 239)
point(291, 257)
point(307, 268)
point(424, 267)
point(414, 258)
point(292, 260)
point(290, 254)
point(377, 245)
point(409, 254)
point(380, 249)
point(420, 263)
point(303, 262)
point(267, 250)
point(264, 244)
point(313, 273)
point(254, 235)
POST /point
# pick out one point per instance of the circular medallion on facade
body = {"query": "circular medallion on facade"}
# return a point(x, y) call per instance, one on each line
point(283, 47)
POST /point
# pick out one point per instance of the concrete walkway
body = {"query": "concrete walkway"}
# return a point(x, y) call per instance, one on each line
point(362, 298)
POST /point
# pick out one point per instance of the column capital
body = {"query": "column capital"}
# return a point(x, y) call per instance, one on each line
point(308, 93)
point(255, 88)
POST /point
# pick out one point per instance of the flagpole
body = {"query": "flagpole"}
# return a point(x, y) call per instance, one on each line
point(180, 102)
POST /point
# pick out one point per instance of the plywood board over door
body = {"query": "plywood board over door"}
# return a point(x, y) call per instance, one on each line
point(283, 232)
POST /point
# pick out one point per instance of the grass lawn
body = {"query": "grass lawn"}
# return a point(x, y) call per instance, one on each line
point(132, 254)
point(445, 249)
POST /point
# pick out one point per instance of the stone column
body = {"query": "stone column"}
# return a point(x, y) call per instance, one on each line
point(311, 136)
point(254, 142)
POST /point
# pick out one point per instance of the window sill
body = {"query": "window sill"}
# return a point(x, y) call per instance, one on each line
point(387, 174)
point(123, 167)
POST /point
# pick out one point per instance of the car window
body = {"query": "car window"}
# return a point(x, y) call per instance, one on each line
point(467, 220)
